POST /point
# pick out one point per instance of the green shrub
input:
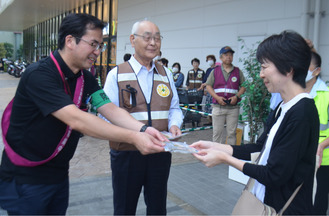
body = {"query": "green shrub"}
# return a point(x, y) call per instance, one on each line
point(256, 99)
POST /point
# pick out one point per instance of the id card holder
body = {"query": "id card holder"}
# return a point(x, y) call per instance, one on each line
point(129, 97)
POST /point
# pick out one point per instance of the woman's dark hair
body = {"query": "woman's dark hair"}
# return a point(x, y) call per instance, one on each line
point(76, 25)
point(287, 51)
point(211, 57)
point(178, 65)
point(196, 60)
point(316, 59)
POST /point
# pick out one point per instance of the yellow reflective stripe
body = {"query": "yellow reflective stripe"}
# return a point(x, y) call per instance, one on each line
point(225, 90)
point(126, 77)
point(160, 78)
point(154, 115)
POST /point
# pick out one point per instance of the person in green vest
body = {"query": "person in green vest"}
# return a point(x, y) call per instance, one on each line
point(318, 90)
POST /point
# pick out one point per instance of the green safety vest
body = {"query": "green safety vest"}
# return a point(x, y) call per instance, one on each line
point(322, 105)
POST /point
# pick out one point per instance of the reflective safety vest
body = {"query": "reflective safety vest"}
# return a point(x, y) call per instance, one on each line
point(322, 104)
point(195, 81)
point(225, 88)
point(131, 98)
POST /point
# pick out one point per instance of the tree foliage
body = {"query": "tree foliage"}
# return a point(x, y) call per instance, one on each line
point(10, 50)
point(256, 99)
point(2, 50)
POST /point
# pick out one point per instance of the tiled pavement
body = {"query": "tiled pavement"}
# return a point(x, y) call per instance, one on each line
point(193, 189)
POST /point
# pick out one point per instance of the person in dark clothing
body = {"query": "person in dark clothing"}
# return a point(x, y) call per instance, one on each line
point(164, 62)
point(319, 91)
point(195, 76)
point(45, 123)
point(290, 141)
point(177, 75)
point(211, 61)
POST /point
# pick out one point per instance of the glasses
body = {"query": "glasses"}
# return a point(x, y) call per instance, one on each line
point(147, 38)
point(95, 45)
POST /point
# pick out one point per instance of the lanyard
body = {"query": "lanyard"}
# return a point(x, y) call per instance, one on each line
point(79, 86)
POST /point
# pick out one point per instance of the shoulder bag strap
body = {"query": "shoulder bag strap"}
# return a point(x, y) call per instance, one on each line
point(21, 161)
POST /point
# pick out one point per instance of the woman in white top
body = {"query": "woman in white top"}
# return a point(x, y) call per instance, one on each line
point(290, 141)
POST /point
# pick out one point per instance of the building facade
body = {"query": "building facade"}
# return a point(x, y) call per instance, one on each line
point(191, 28)
point(14, 38)
point(196, 28)
point(41, 39)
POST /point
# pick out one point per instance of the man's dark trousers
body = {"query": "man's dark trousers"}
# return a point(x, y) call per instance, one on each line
point(29, 199)
point(130, 172)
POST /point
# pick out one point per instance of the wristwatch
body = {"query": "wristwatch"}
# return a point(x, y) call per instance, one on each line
point(143, 129)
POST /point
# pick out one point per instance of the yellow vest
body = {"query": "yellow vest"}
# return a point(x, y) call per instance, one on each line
point(322, 105)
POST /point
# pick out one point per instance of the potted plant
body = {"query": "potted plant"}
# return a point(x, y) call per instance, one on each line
point(255, 102)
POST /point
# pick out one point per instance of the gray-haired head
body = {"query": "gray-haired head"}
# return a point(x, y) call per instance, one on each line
point(136, 25)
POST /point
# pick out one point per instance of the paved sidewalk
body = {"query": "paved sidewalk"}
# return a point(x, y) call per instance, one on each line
point(8, 85)
point(193, 189)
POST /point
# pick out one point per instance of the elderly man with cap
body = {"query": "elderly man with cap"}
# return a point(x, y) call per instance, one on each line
point(224, 85)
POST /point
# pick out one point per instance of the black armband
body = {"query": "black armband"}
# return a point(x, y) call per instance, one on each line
point(143, 129)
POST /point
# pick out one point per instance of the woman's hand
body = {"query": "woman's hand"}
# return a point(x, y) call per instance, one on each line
point(204, 145)
point(212, 154)
point(201, 145)
point(211, 157)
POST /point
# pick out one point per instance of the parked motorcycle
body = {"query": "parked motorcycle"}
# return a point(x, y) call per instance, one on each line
point(20, 68)
point(11, 68)
point(15, 68)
